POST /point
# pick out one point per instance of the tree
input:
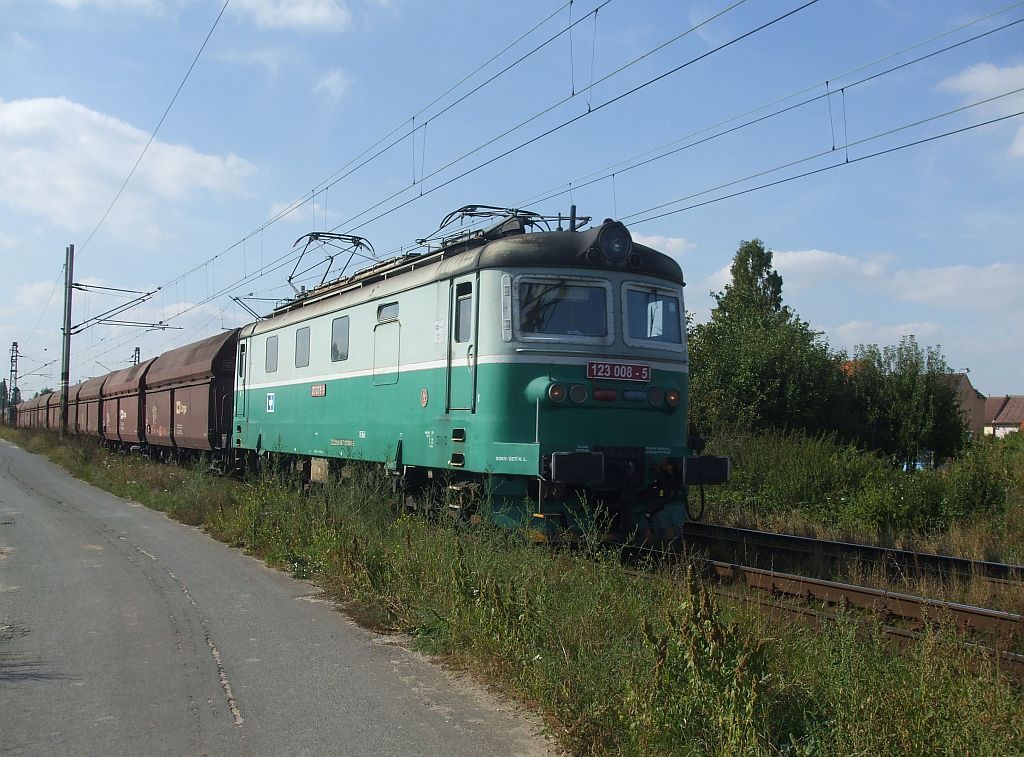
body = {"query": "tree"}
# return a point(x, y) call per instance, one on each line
point(755, 364)
point(41, 392)
point(906, 402)
point(756, 288)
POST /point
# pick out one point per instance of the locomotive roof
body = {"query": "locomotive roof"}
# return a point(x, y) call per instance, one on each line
point(545, 249)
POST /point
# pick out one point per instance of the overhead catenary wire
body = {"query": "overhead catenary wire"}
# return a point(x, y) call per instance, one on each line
point(643, 159)
point(277, 262)
point(916, 44)
point(516, 148)
point(160, 123)
point(847, 162)
point(357, 162)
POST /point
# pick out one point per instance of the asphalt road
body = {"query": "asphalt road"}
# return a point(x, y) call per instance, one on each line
point(124, 632)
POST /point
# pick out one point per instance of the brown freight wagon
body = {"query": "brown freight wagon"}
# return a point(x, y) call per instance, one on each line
point(26, 412)
point(123, 397)
point(38, 416)
point(53, 411)
point(189, 394)
point(73, 408)
point(90, 421)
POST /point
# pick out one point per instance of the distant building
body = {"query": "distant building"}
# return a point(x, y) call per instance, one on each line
point(972, 403)
point(1004, 415)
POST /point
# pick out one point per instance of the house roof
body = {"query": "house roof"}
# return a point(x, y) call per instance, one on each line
point(1005, 411)
point(962, 382)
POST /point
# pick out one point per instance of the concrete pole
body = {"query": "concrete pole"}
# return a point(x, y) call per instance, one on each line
point(65, 367)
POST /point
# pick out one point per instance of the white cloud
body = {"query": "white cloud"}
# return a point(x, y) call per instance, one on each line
point(674, 246)
point(984, 80)
point(33, 295)
point(144, 5)
point(805, 269)
point(852, 333)
point(7, 242)
point(978, 288)
point(307, 15)
point(333, 84)
point(16, 41)
point(992, 287)
point(272, 61)
point(64, 162)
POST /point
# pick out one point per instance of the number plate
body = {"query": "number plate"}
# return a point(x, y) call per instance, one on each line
point(618, 371)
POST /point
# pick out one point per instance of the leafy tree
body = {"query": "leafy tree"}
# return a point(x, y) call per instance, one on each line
point(906, 402)
point(755, 364)
point(41, 392)
point(756, 288)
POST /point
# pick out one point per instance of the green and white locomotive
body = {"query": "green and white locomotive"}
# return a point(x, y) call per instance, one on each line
point(545, 368)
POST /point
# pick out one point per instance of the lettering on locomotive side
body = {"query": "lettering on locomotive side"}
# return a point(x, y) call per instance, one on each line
point(343, 443)
point(510, 459)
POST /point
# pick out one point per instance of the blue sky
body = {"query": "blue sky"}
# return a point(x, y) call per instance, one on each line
point(924, 240)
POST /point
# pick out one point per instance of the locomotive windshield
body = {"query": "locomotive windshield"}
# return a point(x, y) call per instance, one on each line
point(652, 316)
point(563, 309)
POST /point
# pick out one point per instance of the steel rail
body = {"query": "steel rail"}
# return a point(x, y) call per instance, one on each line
point(1009, 662)
point(920, 610)
point(745, 541)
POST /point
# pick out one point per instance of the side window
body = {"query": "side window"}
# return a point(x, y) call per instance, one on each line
point(463, 312)
point(302, 347)
point(241, 360)
point(388, 312)
point(339, 339)
point(271, 365)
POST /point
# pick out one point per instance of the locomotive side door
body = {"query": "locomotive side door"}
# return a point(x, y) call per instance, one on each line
point(241, 374)
point(462, 341)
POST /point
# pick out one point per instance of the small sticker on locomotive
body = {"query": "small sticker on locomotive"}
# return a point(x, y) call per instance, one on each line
point(270, 402)
point(362, 434)
point(318, 390)
point(343, 443)
point(424, 397)
point(438, 332)
point(618, 371)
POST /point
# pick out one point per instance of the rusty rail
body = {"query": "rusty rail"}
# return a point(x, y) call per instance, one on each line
point(745, 542)
point(1004, 627)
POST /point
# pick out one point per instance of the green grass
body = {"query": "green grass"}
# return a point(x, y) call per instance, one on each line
point(974, 506)
point(618, 663)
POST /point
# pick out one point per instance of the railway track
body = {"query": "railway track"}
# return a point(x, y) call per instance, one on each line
point(905, 617)
point(765, 549)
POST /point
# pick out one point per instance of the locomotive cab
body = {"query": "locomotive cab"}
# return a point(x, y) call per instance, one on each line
point(589, 372)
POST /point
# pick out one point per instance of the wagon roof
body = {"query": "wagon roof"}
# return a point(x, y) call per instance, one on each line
point(74, 392)
point(126, 380)
point(91, 389)
point(193, 362)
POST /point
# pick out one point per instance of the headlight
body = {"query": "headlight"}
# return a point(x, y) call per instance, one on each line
point(556, 393)
point(672, 397)
point(578, 394)
point(655, 396)
point(614, 241)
